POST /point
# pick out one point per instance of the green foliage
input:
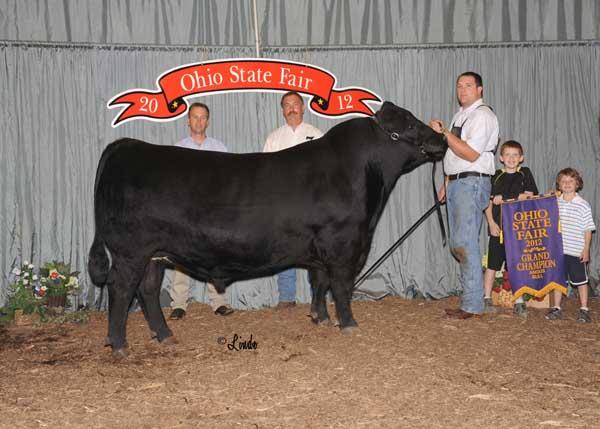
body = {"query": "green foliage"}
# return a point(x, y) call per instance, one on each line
point(21, 293)
point(70, 317)
point(30, 292)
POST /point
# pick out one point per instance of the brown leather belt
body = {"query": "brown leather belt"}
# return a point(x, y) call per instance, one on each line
point(467, 174)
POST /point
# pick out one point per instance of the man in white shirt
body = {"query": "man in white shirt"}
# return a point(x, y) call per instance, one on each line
point(198, 116)
point(294, 132)
point(468, 165)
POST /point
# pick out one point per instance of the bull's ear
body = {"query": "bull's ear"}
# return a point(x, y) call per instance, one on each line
point(386, 107)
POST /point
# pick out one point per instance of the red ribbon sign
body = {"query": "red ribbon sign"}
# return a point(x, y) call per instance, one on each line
point(241, 75)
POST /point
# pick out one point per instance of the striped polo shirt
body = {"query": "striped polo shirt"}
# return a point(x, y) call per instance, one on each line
point(575, 220)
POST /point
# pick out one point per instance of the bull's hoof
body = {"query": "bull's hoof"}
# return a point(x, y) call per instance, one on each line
point(349, 330)
point(168, 341)
point(318, 322)
point(162, 335)
point(314, 317)
point(108, 342)
point(120, 353)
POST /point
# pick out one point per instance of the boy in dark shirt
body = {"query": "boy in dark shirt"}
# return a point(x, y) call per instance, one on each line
point(511, 182)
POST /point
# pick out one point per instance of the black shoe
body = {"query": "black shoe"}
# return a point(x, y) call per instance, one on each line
point(224, 310)
point(520, 309)
point(554, 314)
point(584, 316)
point(177, 314)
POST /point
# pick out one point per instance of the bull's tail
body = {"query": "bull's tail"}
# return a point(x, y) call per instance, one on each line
point(98, 262)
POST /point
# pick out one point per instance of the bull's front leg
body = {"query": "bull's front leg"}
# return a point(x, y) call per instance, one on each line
point(341, 288)
point(319, 282)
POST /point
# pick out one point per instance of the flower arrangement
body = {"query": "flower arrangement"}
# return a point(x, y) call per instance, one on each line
point(57, 279)
point(502, 290)
point(34, 292)
point(501, 282)
point(21, 294)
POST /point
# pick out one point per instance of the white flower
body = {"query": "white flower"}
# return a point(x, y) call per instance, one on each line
point(30, 266)
point(25, 263)
point(35, 277)
point(26, 274)
point(25, 282)
point(16, 271)
point(44, 288)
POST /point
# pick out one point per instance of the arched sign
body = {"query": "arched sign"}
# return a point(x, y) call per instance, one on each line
point(238, 75)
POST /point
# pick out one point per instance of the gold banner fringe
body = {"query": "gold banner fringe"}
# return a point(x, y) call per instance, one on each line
point(539, 293)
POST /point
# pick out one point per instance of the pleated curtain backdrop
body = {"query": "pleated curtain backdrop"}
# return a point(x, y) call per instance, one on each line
point(62, 60)
point(298, 23)
point(55, 125)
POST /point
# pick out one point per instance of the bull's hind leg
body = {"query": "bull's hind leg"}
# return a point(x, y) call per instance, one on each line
point(149, 291)
point(341, 288)
point(319, 282)
point(123, 280)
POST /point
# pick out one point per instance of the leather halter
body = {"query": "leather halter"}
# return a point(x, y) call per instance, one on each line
point(395, 136)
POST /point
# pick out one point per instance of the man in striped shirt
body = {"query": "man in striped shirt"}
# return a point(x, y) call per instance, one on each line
point(577, 225)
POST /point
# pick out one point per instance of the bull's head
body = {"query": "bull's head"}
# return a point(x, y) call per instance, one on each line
point(401, 126)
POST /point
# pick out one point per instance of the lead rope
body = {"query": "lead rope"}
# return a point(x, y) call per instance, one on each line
point(437, 206)
point(376, 264)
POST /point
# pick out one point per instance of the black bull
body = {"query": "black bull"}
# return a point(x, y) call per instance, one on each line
point(223, 217)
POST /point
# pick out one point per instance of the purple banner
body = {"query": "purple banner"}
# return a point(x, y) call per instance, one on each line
point(533, 243)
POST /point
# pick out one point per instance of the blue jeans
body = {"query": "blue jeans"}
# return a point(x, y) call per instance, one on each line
point(467, 198)
point(286, 283)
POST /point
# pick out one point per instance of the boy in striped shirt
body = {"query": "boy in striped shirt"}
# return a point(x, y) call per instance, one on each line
point(576, 225)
